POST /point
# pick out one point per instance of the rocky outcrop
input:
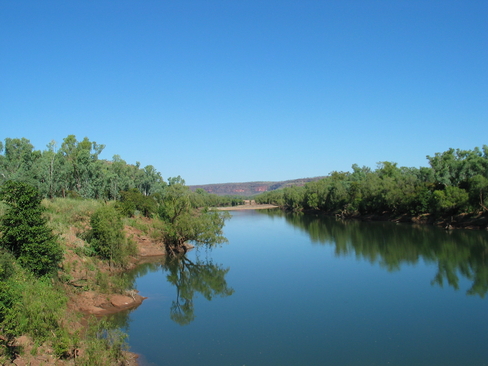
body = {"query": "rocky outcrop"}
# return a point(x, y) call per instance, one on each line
point(251, 188)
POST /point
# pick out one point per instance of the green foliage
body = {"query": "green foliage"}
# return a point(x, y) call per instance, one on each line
point(64, 213)
point(6, 265)
point(456, 181)
point(79, 167)
point(37, 310)
point(103, 345)
point(294, 198)
point(451, 200)
point(107, 237)
point(455, 167)
point(34, 307)
point(185, 223)
point(9, 289)
point(200, 227)
point(423, 201)
point(202, 198)
point(102, 281)
point(19, 161)
point(74, 170)
point(478, 191)
point(24, 230)
point(271, 197)
point(133, 200)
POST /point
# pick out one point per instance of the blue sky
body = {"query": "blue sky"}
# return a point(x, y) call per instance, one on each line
point(236, 91)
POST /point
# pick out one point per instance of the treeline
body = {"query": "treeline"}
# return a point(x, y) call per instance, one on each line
point(456, 181)
point(75, 170)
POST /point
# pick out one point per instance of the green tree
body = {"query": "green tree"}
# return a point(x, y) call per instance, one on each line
point(184, 223)
point(151, 181)
point(479, 192)
point(49, 168)
point(106, 236)
point(445, 167)
point(451, 200)
point(18, 161)
point(294, 197)
point(25, 232)
point(79, 165)
point(133, 200)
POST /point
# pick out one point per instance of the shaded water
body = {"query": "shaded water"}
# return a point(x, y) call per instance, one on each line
point(305, 290)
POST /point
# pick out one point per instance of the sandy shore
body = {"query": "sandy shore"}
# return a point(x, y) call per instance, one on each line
point(246, 207)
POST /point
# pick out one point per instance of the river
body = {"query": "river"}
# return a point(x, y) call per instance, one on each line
point(309, 290)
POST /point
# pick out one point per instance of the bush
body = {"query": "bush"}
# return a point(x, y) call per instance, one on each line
point(34, 307)
point(103, 346)
point(6, 265)
point(107, 237)
point(133, 200)
point(24, 230)
point(451, 200)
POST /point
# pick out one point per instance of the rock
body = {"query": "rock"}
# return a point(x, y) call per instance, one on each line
point(121, 301)
point(19, 361)
point(22, 341)
point(95, 310)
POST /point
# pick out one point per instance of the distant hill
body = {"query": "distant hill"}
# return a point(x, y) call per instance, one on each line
point(251, 188)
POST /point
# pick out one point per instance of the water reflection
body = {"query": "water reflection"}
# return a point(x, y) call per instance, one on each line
point(456, 253)
point(189, 277)
point(121, 319)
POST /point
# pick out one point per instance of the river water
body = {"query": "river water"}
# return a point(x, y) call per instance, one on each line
point(309, 290)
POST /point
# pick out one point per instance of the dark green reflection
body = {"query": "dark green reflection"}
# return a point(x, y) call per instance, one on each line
point(456, 253)
point(202, 276)
point(190, 277)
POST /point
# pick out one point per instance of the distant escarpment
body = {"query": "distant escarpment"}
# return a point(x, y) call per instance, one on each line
point(251, 188)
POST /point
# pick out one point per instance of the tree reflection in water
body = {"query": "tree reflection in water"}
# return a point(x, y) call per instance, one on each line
point(455, 252)
point(189, 277)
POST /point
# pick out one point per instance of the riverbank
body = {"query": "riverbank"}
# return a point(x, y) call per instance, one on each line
point(469, 221)
point(247, 207)
point(91, 289)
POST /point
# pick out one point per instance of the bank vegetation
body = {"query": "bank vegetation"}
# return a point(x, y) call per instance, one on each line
point(452, 191)
point(71, 224)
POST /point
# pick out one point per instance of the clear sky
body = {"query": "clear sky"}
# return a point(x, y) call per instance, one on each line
point(247, 90)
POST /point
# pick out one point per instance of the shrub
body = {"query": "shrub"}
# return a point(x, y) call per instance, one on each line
point(103, 346)
point(133, 200)
point(24, 230)
point(34, 307)
point(6, 265)
point(451, 200)
point(107, 237)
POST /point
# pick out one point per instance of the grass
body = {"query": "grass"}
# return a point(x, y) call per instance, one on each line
point(64, 213)
point(154, 228)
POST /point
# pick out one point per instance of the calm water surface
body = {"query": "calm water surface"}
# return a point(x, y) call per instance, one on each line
point(302, 290)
